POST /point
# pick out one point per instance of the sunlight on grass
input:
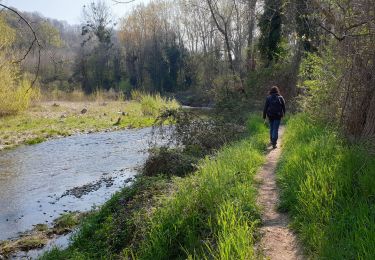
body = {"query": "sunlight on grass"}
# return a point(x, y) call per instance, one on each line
point(62, 118)
point(329, 187)
point(212, 214)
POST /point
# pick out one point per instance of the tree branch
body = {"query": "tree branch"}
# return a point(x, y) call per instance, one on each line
point(35, 41)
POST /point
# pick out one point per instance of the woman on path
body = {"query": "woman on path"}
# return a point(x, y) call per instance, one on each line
point(274, 109)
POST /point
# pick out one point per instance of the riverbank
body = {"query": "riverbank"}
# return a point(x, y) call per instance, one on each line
point(46, 120)
point(328, 187)
point(41, 182)
point(211, 212)
point(42, 234)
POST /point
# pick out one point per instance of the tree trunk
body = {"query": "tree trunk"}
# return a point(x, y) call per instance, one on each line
point(369, 128)
point(250, 40)
point(224, 32)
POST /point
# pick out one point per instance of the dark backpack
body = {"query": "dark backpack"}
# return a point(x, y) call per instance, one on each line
point(275, 108)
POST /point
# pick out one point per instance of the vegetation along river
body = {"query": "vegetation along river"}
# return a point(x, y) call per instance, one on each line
point(39, 183)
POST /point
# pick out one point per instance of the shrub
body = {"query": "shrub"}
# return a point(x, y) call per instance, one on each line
point(15, 92)
point(171, 162)
point(320, 76)
point(196, 135)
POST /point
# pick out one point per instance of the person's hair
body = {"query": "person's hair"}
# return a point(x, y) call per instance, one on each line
point(274, 90)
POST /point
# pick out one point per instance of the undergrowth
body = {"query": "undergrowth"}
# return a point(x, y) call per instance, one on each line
point(328, 186)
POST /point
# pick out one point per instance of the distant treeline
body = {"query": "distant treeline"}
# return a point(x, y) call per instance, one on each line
point(228, 51)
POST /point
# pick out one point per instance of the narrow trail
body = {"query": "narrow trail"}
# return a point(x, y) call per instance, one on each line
point(278, 242)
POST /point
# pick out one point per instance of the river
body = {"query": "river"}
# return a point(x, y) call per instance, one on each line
point(39, 183)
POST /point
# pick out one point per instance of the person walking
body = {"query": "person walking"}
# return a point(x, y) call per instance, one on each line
point(274, 109)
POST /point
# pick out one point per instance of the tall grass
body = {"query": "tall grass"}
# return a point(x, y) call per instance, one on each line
point(212, 214)
point(329, 188)
point(152, 105)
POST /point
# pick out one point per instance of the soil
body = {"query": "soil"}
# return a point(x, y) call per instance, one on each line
point(277, 240)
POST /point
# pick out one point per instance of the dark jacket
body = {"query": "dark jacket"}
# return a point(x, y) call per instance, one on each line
point(266, 106)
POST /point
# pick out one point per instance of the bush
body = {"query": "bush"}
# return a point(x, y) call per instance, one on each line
point(15, 96)
point(320, 76)
point(171, 162)
point(196, 135)
point(15, 92)
point(329, 188)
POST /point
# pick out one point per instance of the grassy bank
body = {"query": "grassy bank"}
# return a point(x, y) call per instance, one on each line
point(61, 118)
point(208, 214)
point(328, 186)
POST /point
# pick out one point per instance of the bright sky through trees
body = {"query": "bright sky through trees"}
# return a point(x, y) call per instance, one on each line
point(68, 10)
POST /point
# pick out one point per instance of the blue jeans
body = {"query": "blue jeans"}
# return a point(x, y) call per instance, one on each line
point(274, 130)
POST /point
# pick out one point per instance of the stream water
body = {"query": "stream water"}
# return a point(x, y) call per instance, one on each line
point(39, 183)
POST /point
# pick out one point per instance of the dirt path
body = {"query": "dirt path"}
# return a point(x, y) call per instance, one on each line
point(278, 241)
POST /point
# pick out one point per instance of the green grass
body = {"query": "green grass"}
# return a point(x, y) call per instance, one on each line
point(66, 222)
point(328, 186)
point(212, 213)
point(119, 222)
point(152, 105)
point(36, 140)
point(209, 214)
point(51, 119)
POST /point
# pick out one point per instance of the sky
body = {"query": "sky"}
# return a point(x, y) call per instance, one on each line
point(67, 10)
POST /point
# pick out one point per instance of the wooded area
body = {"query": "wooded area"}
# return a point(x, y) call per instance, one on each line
point(320, 52)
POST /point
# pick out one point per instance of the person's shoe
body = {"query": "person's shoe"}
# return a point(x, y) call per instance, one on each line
point(274, 146)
